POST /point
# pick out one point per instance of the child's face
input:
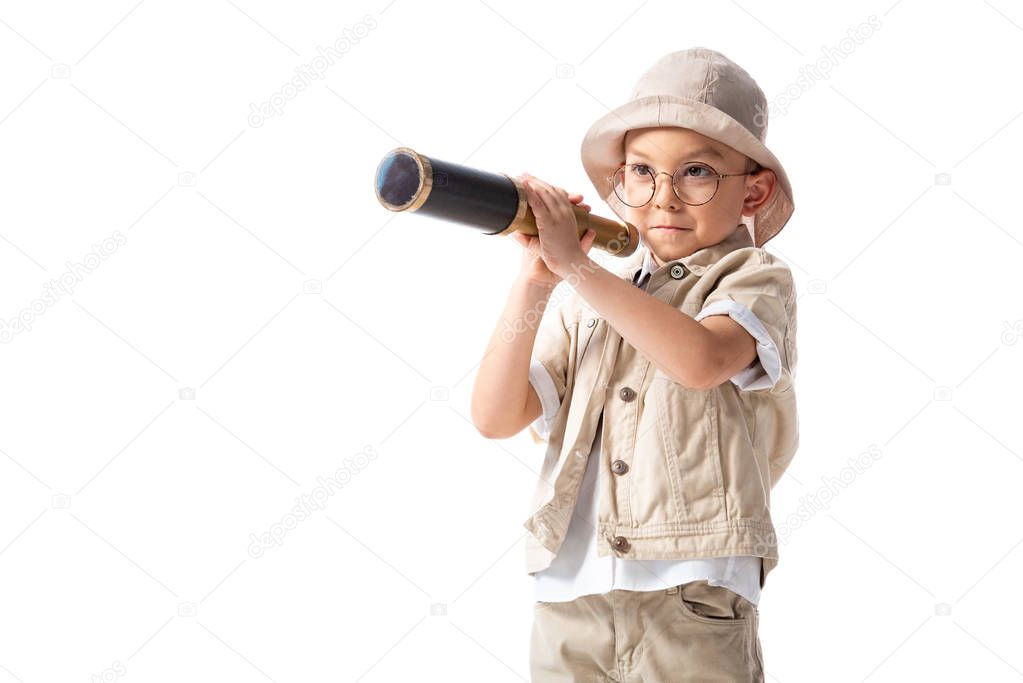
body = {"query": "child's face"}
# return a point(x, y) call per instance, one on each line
point(665, 149)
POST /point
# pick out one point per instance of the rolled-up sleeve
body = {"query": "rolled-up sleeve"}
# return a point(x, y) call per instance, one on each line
point(544, 386)
point(759, 295)
point(548, 368)
point(765, 370)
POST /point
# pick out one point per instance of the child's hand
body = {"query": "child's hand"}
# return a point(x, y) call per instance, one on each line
point(550, 255)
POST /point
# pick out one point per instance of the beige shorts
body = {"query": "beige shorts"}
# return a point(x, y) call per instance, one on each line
point(690, 632)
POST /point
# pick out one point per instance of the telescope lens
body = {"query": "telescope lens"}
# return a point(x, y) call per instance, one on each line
point(399, 180)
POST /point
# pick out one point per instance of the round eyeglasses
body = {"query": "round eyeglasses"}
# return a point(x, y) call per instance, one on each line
point(694, 183)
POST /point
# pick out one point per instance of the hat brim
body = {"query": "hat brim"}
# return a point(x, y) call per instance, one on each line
point(603, 151)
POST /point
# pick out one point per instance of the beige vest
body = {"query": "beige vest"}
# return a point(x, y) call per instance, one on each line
point(686, 473)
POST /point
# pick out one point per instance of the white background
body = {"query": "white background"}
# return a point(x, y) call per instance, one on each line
point(252, 265)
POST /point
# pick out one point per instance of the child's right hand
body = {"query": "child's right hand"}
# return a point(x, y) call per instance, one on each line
point(533, 266)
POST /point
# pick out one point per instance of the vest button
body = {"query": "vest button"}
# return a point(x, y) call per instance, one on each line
point(619, 467)
point(627, 394)
point(678, 271)
point(591, 322)
point(620, 543)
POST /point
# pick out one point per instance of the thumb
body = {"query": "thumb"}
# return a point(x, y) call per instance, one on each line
point(588, 238)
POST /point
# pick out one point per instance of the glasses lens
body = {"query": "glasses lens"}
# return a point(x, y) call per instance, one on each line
point(695, 183)
point(634, 184)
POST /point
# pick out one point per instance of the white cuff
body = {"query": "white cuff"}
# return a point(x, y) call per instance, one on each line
point(764, 374)
point(548, 393)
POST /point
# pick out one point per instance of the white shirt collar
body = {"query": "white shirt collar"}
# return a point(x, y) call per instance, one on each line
point(649, 266)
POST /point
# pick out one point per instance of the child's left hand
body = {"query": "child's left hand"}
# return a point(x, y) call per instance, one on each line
point(560, 246)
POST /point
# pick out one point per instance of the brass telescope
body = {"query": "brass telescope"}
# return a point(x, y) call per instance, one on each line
point(494, 203)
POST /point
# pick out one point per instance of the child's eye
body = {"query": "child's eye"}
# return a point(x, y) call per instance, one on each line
point(641, 170)
point(696, 171)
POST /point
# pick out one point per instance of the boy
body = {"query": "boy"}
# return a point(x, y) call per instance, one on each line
point(667, 401)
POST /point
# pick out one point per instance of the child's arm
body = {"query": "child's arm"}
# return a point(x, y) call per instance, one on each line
point(703, 351)
point(503, 400)
point(694, 354)
point(504, 396)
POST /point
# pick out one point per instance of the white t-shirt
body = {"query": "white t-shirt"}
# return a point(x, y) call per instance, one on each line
point(577, 569)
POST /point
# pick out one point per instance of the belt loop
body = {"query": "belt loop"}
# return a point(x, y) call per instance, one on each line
point(672, 590)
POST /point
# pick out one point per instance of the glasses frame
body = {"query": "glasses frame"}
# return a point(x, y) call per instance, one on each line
point(653, 181)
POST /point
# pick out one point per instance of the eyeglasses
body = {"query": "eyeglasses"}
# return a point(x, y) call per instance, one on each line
point(694, 183)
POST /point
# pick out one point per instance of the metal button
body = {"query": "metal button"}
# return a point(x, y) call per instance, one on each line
point(620, 543)
point(678, 271)
point(627, 393)
point(619, 467)
point(591, 322)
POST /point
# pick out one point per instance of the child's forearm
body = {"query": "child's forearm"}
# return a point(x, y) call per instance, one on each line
point(501, 390)
point(673, 341)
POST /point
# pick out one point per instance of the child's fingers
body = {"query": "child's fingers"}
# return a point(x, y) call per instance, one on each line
point(538, 184)
point(535, 198)
point(552, 198)
point(551, 192)
point(588, 238)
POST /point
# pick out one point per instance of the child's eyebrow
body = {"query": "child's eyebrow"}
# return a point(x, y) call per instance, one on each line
point(692, 154)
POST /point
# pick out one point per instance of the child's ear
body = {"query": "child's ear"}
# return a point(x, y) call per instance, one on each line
point(759, 190)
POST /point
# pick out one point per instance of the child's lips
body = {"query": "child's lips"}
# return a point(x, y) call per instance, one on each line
point(669, 229)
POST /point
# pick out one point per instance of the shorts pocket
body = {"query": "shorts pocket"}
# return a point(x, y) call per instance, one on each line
point(718, 605)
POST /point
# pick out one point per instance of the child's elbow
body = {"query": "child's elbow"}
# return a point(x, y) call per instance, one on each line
point(497, 433)
point(495, 429)
point(488, 432)
point(485, 427)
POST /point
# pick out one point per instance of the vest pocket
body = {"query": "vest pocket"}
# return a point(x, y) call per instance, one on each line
point(688, 429)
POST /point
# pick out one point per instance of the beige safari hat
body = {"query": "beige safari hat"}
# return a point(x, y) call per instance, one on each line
point(704, 91)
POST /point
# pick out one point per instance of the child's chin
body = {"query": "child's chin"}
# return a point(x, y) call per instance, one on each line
point(671, 250)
